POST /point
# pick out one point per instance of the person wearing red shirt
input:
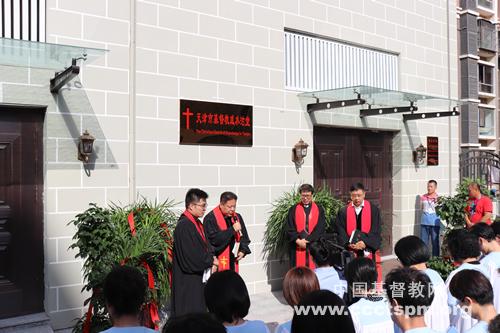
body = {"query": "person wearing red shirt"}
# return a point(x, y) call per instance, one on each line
point(479, 207)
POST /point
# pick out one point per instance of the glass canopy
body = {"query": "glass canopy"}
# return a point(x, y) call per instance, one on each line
point(379, 97)
point(16, 52)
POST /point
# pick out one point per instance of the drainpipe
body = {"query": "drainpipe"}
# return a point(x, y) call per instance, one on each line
point(448, 64)
point(132, 104)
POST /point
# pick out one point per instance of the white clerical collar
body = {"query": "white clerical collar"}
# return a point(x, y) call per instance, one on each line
point(360, 206)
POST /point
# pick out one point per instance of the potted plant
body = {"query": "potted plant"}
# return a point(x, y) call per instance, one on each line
point(139, 235)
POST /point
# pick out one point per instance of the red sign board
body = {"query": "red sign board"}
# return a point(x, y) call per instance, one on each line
point(432, 150)
point(207, 123)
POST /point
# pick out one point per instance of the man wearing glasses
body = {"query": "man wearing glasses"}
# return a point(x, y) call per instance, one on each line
point(306, 224)
point(358, 227)
point(193, 258)
point(227, 233)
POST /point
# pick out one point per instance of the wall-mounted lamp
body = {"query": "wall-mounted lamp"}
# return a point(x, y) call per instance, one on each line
point(85, 146)
point(299, 151)
point(419, 155)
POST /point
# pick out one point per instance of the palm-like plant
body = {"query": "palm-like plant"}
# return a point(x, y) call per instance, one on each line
point(275, 236)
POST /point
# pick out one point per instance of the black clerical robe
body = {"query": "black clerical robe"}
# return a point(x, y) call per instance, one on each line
point(192, 256)
point(221, 239)
point(310, 235)
point(372, 239)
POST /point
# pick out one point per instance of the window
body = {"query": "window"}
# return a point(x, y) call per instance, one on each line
point(486, 122)
point(314, 63)
point(485, 3)
point(485, 79)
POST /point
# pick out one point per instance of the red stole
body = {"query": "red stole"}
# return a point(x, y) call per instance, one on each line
point(300, 224)
point(225, 257)
point(366, 225)
point(197, 224)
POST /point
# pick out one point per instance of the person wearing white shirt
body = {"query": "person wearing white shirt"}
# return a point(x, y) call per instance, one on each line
point(464, 249)
point(474, 291)
point(429, 221)
point(369, 308)
point(413, 252)
point(407, 307)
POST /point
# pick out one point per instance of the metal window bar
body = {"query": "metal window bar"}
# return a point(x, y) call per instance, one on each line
point(23, 19)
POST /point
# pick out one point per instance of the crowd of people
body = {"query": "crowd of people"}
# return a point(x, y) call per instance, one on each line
point(335, 281)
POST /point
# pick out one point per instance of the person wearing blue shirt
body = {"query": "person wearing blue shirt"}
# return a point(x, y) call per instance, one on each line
point(429, 220)
point(328, 276)
point(407, 307)
point(226, 296)
point(489, 245)
point(473, 290)
point(125, 293)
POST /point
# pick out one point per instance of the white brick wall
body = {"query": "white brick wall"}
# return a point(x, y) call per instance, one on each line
point(222, 51)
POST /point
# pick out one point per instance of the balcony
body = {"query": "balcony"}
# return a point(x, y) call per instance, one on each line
point(486, 37)
point(486, 122)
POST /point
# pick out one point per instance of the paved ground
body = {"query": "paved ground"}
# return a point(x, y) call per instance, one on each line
point(273, 309)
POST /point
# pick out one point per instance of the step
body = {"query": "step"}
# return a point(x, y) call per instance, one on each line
point(33, 323)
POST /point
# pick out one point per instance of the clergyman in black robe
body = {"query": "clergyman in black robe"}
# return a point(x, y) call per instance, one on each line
point(224, 228)
point(304, 226)
point(192, 257)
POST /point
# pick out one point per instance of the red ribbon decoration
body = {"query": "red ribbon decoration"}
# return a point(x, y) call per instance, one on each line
point(86, 324)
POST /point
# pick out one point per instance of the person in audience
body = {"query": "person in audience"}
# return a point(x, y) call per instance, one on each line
point(494, 326)
point(298, 281)
point(369, 310)
point(327, 275)
point(473, 290)
point(413, 252)
point(309, 322)
point(491, 259)
point(407, 307)
point(194, 323)
point(464, 250)
point(489, 246)
point(226, 296)
point(496, 229)
point(124, 294)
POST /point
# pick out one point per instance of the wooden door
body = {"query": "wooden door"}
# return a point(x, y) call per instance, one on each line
point(343, 157)
point(21, 210)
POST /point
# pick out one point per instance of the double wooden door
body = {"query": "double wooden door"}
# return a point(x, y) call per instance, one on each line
point(343, 157)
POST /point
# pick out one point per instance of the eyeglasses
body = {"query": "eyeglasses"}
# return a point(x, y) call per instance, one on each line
point(204, 205)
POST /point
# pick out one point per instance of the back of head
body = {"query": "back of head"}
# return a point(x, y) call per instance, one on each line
point(462, 244)
point(320, 252)
point(401, 288)
point(496, 228)
point(472, 284)
point(124, 291)
point(306, 188)
point(484, 231)
point(361, 271)
point(226, 296)
point(298, 282)
point(194, 195)
point(194, 323)
point(329, 321)
point(411, 250)
point(494, 326)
